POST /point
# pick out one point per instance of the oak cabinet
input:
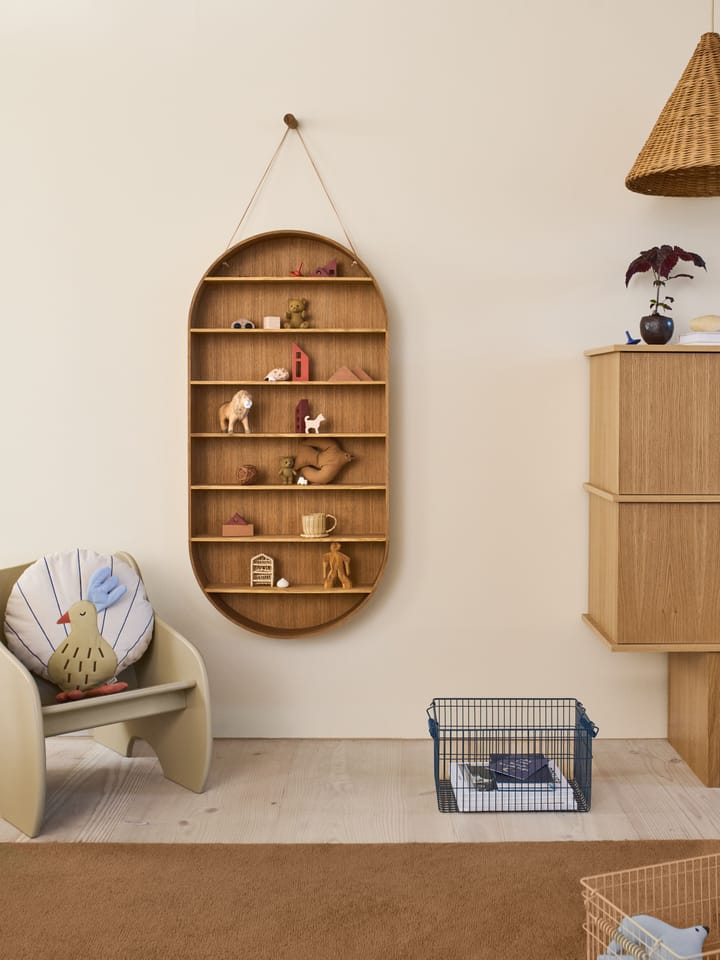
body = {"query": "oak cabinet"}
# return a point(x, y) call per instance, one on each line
point(654, 526)
point(654, 485)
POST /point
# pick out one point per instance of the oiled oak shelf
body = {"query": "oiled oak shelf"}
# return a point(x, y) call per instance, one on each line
point(286, 436)
point(287, 591)
point(296, 332)
point(287, 383)
point(289, 538)
point(654, 527)
point(348, 331)
point(343, 487)
point(310, 280)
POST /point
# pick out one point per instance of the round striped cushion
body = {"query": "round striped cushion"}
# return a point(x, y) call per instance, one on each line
point(48, 588)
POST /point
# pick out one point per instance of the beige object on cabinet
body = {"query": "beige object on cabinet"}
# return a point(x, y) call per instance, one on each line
point(167, 705)
point(654, 564)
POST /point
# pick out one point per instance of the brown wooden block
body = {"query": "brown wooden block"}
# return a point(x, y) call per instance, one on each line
point(342, 374)
point(238, 530)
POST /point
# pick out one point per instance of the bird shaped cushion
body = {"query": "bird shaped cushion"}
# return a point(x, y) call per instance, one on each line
point(78, 619)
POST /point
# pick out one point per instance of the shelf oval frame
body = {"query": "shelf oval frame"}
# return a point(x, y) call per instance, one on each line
point(257, 262)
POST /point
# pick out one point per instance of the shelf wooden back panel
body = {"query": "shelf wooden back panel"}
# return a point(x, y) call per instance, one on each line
point(348, 328)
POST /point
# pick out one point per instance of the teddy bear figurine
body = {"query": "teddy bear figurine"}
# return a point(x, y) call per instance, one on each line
point(287, 473)
point(296, 314)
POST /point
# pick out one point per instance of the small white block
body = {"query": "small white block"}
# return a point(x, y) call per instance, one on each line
point(271, 323)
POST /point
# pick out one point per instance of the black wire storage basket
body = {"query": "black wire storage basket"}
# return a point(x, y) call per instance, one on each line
point(511, 754)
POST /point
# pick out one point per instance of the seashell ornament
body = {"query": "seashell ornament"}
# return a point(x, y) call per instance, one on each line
point(278, 373)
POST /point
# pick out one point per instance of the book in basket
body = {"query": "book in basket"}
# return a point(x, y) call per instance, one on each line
point(473, 795)
point(521, 771)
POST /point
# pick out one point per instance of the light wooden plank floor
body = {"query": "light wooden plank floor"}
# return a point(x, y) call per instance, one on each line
point(350, 791)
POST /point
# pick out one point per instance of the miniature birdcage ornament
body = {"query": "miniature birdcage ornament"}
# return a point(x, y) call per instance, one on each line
point(262, 571)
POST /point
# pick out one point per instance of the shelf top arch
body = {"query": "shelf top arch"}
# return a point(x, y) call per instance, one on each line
point(248, 259)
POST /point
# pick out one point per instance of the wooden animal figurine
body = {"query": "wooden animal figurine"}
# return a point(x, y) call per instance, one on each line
point(336, 566)
point(236, 411)
point(85, 664)
point(313, 425)
point(287, 473)
point(320, 460)
point(296, 314)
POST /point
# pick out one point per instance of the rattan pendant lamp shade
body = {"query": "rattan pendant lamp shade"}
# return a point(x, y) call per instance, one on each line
point(682, 155)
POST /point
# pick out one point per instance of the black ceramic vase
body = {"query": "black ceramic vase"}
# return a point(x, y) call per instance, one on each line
point(655, 328)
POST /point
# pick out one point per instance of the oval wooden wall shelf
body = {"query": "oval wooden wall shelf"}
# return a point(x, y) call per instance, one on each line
point(346, 345)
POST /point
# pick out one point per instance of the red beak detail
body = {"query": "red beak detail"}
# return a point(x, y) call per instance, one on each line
point(65, 618)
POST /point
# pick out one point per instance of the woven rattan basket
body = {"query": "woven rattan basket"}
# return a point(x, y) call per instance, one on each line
point(682, 155)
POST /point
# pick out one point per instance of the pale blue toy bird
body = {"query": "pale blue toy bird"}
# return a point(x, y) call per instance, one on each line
point(84, 664)
point(664, 941)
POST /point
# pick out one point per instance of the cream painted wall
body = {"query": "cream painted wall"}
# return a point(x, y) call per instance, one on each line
point(476, 151)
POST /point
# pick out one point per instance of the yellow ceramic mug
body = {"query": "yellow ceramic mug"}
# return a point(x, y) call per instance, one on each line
point(316, 524)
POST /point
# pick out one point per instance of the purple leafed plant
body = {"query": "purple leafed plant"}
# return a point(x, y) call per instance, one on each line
point(661, 260)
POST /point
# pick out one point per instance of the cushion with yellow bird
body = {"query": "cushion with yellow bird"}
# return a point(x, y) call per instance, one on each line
point(78, 618)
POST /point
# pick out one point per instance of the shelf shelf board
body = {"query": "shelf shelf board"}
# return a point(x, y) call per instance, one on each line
point(649, 647)
point(287, 383)
point(288, 486)
point(287, 436)
point(651, 497)
point(288, 538)
point(289, 280)
point(334, 331)
point(279, 591)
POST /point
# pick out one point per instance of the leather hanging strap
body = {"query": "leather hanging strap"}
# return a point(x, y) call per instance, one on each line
point(291, 124)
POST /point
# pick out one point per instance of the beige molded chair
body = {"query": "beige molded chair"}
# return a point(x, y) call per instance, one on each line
point(168, 706)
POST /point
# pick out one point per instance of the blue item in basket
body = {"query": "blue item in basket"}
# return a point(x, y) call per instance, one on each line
point(526, 767)
point(657, 935)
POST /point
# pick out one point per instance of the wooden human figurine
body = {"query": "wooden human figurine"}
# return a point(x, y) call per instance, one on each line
point(336, 565)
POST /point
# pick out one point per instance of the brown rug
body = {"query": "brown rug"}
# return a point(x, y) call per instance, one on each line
point(482, 901)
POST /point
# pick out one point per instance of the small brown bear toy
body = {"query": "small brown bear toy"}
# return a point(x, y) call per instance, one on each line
point(296, 314)
point(286, 472)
